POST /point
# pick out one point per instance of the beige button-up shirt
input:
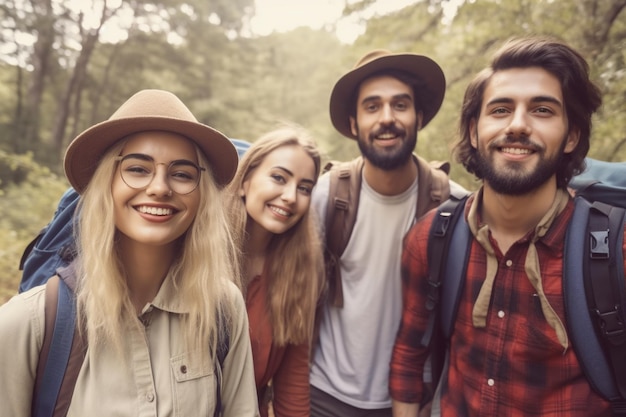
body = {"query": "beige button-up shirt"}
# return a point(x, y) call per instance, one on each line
point(159, 378)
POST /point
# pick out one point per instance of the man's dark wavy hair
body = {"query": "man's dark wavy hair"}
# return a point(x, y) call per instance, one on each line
point(580, 95)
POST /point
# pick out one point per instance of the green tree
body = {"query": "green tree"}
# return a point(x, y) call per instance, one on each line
point(462, 43)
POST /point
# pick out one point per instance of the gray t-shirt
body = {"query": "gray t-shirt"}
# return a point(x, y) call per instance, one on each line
point(351, 362)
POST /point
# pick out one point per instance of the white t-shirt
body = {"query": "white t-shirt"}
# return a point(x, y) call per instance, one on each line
point(351, 362)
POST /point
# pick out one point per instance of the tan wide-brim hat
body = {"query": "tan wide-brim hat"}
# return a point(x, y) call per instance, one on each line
point(145, 111)
point(429, 94)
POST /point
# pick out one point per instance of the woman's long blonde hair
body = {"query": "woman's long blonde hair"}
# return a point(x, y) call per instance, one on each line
point(201, 272)
point(294, 259)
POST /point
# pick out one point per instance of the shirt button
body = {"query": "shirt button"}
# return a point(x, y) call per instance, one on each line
point(509, 262)
point(500, 313)
point(491, 382)
point(150, 397)
point(183, 369)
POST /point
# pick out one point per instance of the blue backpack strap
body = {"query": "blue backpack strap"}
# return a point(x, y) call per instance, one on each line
point(55, 353)
point(63, 350)
point(595, 298)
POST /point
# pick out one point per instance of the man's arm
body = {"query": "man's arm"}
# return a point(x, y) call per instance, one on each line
point(401, 409)
point(406, 377)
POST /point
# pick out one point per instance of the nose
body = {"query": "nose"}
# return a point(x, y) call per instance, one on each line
point(159, 185)
point(387, 116)
point(519, 124)
point(289, 194)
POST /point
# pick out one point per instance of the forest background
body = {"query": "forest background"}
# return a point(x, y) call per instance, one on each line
point(62, 70)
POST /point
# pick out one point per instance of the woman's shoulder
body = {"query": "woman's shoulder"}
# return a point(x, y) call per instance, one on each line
point(234, 297)
point(232, 290)
point(25, 304)
point(22, 318)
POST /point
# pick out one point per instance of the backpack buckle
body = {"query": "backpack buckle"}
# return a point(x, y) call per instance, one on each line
point(341, 204)
point(433, 294)
point(442, 223)
point(599, 244)
point(612, 325)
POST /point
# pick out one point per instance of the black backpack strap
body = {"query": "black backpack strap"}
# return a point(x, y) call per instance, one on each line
point(448, 250)
point(439, 238)
point(595, 297)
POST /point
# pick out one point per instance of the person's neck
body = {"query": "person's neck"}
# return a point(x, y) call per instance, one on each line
point(145, 267)
point(511, 217)
point(390, 182)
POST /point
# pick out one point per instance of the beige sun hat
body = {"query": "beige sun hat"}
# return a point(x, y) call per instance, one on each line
point(430, 95)
point(148, 110)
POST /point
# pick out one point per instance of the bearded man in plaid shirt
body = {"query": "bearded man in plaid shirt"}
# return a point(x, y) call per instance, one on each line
point(524, 131)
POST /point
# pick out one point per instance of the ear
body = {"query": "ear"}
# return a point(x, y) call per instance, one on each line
point(572, 139)
point(353, 127)
point(473, 134)
point(420, 119)
point(244, 189)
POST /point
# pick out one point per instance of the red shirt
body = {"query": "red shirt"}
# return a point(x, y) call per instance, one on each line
point(513, 367)
point(286, 366)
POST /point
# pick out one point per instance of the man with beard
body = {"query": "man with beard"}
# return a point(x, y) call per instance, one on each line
point(382, 103)
point(525, 130)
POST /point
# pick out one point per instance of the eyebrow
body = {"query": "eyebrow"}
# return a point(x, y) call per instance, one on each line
point(307, 180)
point(402, 96)
point(536, 99)
point(146, 157)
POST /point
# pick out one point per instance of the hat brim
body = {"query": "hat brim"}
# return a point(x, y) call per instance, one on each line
point(431, 91)
point(83, 154)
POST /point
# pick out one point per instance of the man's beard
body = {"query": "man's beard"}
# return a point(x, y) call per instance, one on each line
point(513, 180)
point(387, 159)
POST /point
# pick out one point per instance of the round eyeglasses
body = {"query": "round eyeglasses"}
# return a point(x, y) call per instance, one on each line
point(138, 170)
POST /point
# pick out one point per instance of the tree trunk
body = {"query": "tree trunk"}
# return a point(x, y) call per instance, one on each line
point(27, 137)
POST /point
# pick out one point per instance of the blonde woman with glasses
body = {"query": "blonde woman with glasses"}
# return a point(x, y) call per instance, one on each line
point(155, 285)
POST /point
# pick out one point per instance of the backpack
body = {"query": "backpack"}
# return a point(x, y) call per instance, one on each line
point(64, 348)
point(53, 247)
point(593, 279)
point(343, 203)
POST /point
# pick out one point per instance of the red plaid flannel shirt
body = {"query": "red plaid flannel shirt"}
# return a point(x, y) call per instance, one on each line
point(514, 366)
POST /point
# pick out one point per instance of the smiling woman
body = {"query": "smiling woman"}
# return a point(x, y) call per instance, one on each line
point(154, 277)
point(268, 203)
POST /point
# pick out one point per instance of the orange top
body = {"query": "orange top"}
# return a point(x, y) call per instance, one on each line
point(286, 366)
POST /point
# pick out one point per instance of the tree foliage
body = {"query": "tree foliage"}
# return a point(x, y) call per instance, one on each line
point(66, 65)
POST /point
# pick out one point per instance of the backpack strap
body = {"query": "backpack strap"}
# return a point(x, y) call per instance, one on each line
point(448, 243)
point(343, 203)
point(595, 297)
point(62, 352)
point(223, 346)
